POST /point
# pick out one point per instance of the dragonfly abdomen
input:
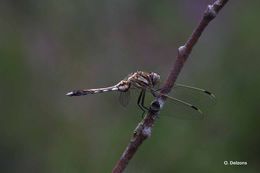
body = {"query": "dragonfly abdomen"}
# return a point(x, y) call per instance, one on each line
point(91, 91)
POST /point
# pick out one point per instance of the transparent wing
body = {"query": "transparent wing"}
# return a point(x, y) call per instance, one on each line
point(197, 90)
point(182, 110)
point(190, 106)
point(124, 98)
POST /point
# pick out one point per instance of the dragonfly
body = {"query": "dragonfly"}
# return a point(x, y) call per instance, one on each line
point(143, 82)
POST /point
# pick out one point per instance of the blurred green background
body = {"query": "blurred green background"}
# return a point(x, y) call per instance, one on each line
point(49, 47)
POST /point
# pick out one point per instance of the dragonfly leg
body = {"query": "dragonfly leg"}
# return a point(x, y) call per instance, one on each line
point(140, 104)
point(158, 89)
point(142, 101)
point(155, 92)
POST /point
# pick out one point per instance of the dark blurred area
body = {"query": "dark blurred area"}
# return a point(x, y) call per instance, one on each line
point(48, 48)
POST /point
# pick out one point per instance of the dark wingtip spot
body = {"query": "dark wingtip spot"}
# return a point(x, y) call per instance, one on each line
point(207, 92)
point(194, 107)
point(197, 109)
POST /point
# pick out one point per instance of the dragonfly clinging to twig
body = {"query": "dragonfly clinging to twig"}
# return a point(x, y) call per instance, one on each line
point(143, 81)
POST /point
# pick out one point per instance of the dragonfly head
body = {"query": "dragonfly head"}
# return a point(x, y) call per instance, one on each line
point(155, 78)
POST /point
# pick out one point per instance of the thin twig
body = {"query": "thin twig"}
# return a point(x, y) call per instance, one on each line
point(144, 128)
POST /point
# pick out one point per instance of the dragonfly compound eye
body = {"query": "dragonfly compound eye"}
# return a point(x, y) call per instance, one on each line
point(155, 78)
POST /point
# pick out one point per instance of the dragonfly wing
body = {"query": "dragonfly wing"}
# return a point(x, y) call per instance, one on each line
point(197, 99)
point(197, 90)
point(124, 98)
point(183, 111)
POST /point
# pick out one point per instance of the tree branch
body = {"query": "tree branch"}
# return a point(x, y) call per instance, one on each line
point(144, 128)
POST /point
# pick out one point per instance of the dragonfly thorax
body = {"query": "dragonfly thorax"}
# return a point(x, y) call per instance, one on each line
point(143, 80)
point(139, 80)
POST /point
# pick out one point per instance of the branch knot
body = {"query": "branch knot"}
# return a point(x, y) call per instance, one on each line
point(182, 51)
point(210, 12)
